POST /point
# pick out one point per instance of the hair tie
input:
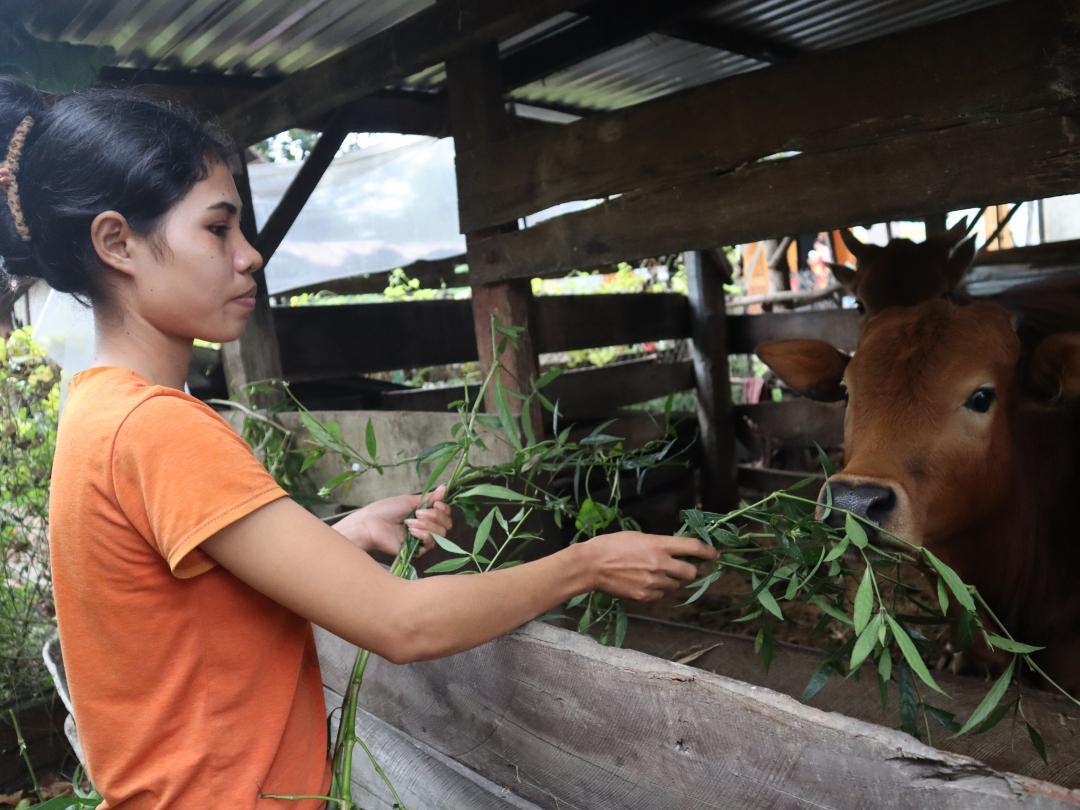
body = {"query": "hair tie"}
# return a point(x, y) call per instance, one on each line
point(9, 171)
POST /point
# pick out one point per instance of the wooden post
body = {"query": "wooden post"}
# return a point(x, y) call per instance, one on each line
point(704, 279)
point(935, 225)
point(478, 117)
point(254, 356)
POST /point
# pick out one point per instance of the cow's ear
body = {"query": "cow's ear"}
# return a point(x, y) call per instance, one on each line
point(812, 368)
point(844, 274)
point(960, 262)
point(1053, 370)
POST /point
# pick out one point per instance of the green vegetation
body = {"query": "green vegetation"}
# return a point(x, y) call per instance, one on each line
point(29, 399)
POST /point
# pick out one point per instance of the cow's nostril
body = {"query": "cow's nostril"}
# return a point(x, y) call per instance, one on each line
point(882, 503)
point(871, 501)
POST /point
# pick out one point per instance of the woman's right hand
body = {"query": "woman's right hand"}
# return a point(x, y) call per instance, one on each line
point(643, 567)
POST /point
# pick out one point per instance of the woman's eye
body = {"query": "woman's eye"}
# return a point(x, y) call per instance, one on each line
point(219, 230)
point(981, 400)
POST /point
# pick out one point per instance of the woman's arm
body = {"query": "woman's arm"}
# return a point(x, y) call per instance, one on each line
point(289, 555)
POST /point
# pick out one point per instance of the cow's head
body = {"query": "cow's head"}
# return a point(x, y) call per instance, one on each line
point(931, 390)
point(904, 273)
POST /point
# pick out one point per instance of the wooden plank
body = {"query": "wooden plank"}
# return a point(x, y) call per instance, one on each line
point(972, 69)
point(336, 341)
point(296, 195)
point(1048, 253)
point(255, 355)
point(796, 421)
point(581, 393)
point(586, 321)
point(900, 178)
point(1005, 747)
point(478, 117)
point(574, 724)
point(422, 776)
point(428, 37)
point(840, 327)
point(429, 272)
point(763, 480)
point(705, 276)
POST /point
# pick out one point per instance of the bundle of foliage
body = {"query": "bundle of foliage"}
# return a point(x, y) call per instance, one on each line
point(29, 408)
point(791, 558)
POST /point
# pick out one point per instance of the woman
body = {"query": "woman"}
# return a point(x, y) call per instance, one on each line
point(185, 578)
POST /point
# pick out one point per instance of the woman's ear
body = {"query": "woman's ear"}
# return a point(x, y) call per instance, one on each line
point(111, 237)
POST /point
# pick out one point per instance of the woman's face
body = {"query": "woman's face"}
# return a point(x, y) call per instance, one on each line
point(196, 282)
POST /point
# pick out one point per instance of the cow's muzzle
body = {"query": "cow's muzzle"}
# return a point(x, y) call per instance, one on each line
point(874, 502)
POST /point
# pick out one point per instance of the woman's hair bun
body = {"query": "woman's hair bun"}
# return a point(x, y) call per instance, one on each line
point(17, 102)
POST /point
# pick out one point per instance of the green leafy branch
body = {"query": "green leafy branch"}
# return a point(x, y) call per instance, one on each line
point(789, 556)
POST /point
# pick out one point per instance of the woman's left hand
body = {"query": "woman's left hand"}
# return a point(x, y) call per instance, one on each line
point(380, 525)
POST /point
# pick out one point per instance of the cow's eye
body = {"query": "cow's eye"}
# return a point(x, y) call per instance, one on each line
point(859, 306)
point(981, 400)
point(843, 392)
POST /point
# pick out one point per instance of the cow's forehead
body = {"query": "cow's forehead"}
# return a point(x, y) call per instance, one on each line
point(933, 345)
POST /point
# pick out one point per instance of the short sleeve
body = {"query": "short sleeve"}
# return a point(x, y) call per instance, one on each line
point(181, 474)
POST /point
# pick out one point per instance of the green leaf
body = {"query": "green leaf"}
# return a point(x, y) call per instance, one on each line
point(621, 623)
point(956, 585)
point(449, 545)
point(446, 566)
point(548, 376)
point(864, 600)
point(911, 655)
point(865, 644)
point(838, 550)
point(577, 600)
point(855, 531)
point(483, 531)
point(1037, 742)
point(817, 681)
point(946, 719)
point(942, 597)
point(831, 610)
point(1008, 645)
point(768, 601)
point(909, 701)
point(369, 440)
point(993, 697)
point(884, 666)
point(506, 418)
point(495, 493)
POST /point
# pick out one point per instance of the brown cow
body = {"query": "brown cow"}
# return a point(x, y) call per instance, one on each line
point(904, 273)
point(955, 441)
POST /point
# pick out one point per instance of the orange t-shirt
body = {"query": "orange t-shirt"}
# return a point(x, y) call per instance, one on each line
point(190, 689)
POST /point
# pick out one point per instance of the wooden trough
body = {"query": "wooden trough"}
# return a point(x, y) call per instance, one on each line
point(547, 718)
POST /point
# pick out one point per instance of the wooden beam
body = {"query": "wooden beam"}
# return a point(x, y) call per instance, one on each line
point(319, 342)
point(705, 290)
point(954, 167)
point(429, 272)
point(478, 116)
point(764, 480)
point(796, 421)
point(288, 208)
point(255, 356)
point(570, 723)
point(840, 327)
point(972, 69)
point(430, 36)
point(581, 393)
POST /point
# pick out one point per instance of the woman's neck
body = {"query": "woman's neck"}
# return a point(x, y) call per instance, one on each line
point(134, 344)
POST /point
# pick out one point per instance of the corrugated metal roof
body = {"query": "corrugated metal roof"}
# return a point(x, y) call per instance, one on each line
point(275, 37)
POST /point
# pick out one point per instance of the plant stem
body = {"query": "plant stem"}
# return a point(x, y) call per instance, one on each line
point(25, 755)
